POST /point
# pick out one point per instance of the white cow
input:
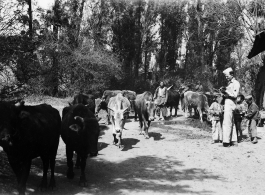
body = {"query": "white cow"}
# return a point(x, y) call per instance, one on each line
point(119, 109)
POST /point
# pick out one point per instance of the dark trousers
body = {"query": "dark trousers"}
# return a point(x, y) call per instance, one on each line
point(238, 122)
point(252, 128)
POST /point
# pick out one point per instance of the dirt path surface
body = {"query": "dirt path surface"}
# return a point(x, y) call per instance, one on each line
point(177, 159)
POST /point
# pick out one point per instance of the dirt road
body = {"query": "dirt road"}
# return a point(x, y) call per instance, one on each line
point(177, 159)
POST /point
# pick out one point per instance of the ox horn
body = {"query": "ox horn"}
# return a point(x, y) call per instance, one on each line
point(20, 104)
point(79, 118)
point(111, 109)
point(124, 110)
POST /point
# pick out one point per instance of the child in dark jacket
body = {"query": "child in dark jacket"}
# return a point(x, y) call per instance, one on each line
point(238, 115)
point(253, 116)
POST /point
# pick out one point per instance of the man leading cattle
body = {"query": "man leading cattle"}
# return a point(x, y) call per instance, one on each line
point(160, 98)
point(230, 94)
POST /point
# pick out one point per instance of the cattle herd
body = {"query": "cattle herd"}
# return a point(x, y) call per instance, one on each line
point(27, 132)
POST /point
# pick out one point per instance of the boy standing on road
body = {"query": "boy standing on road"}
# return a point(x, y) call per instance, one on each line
point(253, 116)
point(216, 111)
point(238, 116)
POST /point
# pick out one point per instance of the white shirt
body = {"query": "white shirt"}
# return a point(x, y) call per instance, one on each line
point(233, 88)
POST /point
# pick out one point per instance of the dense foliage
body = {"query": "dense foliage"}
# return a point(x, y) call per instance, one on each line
point(90, 46)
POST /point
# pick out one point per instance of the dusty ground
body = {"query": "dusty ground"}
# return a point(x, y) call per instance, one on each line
point(177, 159)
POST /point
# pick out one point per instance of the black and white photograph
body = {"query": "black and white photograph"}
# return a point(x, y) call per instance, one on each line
point(132, 97)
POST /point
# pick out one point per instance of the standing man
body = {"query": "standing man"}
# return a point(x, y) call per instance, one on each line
point(230, 94)
point(160, 98)
point(253, 116)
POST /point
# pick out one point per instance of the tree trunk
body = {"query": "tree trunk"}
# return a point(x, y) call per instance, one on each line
point(55, 65)
point(139, 42)
point(30, 20)
point(200, 34)
point(81, 10)
point(145, 65)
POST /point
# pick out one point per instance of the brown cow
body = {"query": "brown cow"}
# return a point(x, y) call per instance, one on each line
point(194, 100)
point(145, 108)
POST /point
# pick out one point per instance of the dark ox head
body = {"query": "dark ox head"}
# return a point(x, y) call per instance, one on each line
point(10, 117)
point(150, 107)
point(87, 127)
point(100, 104)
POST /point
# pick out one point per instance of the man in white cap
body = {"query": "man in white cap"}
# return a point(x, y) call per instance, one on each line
point(230, 93)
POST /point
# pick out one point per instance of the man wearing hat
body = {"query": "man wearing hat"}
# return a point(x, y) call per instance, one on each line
point(230, 94)
point(253, 116)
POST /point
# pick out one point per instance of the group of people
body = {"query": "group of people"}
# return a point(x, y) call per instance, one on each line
point(227, 112)
point(227, 117)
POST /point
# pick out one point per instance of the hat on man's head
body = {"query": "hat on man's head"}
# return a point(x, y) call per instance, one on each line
point(227, 71)
point(248, 97)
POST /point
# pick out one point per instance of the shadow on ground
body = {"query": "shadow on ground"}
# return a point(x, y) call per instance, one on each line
point(142, 174)
point(129, 143)
point(156, 136)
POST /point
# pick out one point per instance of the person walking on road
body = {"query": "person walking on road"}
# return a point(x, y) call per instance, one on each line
point(160, 98)
point(230, 94)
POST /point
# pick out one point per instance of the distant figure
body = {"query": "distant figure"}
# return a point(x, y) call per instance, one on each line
point(216, 112)
point(238, 115)
point(253, 116)
point(199, 87)
point(230, 94)
point(160, 97)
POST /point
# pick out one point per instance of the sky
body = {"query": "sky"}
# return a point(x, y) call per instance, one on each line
point(45, 4)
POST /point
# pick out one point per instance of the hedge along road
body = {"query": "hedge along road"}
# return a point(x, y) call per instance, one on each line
point(177, 159)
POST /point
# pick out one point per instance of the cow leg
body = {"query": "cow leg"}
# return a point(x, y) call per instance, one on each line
point(70, 164)
point(77, 163)
point(171, 111)
point(44, 182)
point(186, 112)
point(200, 114)
point(52, 180)
point(23, 176)
point(16, 169)
point(107, 122)
point(135, 116)
point(158, 111)
point(83, 180)
point(176, 111)
point(145, 126)
point(190, 111)
point(52, 157)
point(141, 124)
point(115, 140)
point(119, 134)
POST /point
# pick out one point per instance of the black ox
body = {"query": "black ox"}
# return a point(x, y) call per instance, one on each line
point(87, 100)
point(27, 132)
point(80, 132)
